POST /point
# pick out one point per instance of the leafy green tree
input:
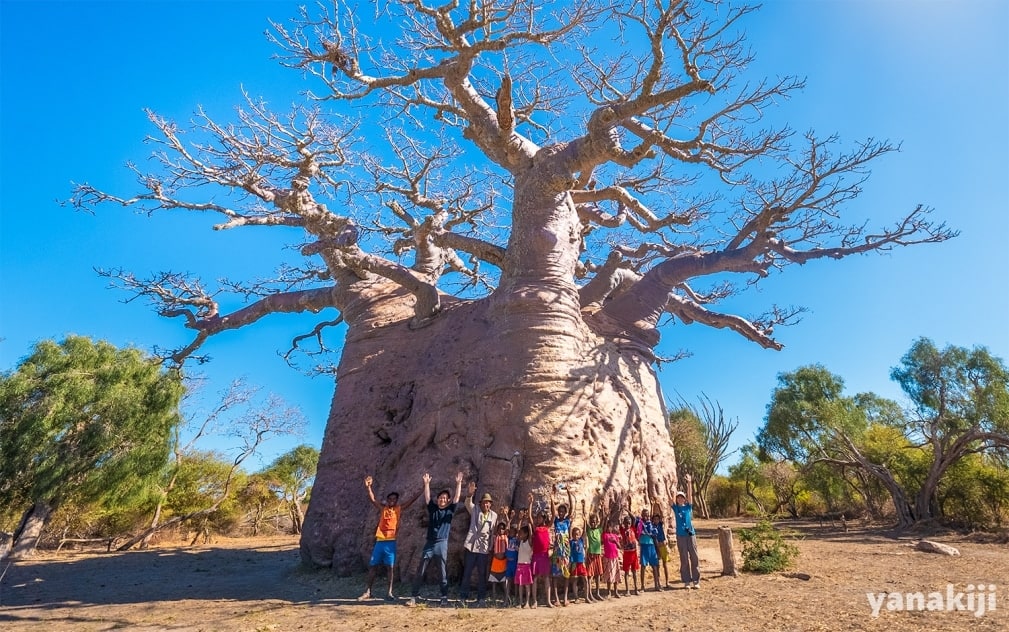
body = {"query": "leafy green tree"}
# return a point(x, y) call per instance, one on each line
point(786, 484)
point(810, 421)
point(202, 497)
point(887, 445)
point(974, 492)
point(687, 432)
point(749, 473)
point(829, 486)
point(725, 497)
point(291, 476)
point(81, 420)
point(260, 503)
point(797, 427)
point(960, 403)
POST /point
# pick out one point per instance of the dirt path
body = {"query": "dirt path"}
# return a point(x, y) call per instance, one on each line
point(258, 585)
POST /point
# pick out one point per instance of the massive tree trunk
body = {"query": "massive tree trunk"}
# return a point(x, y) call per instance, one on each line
point(467, 393)
point(519, 390)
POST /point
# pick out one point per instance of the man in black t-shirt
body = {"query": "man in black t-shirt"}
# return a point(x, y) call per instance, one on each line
point(439, 523)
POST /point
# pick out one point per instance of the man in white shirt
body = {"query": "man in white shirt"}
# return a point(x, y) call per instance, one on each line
point(478, 545)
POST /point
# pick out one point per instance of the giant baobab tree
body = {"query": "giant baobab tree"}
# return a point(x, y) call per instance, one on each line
point(502, 202)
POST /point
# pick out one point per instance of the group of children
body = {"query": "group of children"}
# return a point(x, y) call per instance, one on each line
point(548, 554)
point(530, 554)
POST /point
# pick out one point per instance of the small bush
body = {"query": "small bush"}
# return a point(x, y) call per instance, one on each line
point(765, 550)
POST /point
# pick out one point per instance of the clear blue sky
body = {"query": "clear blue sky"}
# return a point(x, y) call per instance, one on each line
point(933, 75)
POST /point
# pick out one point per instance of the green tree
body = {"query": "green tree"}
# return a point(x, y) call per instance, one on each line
point(810, 421)
point(687, 432)
point(796, 427)
point(202, 497)
point(83, 420)
point(960, 406)
point(974, 492)
point(725, 497)
point(259, 501)
point(786, 484)
point(749, 473)
point(291, 476)
point(960, 403)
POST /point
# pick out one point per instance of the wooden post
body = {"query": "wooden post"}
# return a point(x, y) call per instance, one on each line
point(728, 554)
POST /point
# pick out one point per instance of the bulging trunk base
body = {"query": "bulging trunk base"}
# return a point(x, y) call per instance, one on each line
point(517, 399)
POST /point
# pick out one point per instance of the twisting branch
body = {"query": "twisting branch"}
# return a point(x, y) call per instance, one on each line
point(640, 216)
point(689, 312)
point(177, 295)
point(316, 333)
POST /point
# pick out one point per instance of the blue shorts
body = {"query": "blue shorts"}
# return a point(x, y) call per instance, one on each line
point(384, 553)
point(649, 556)
point(512, 567)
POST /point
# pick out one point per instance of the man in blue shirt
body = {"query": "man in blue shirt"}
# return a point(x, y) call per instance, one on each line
point(439, 524)
point(686, 537)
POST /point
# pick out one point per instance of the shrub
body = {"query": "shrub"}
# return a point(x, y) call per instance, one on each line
point(765, 549)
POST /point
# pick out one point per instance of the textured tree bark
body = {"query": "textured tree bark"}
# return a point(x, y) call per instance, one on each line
point(26, 536)
point(466, 393)
point(519, 390)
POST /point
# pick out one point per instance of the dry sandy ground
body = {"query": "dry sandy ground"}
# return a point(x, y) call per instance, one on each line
point(258, 585)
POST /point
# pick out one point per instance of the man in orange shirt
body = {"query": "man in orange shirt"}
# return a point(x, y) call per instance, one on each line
point(384, 552)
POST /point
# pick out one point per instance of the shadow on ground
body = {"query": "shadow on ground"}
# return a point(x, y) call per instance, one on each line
point(171, 574)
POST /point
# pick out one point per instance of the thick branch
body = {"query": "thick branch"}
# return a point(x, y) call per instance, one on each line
point(641, 217)
point(428, 301)
point(313, 300)
point(690, 312)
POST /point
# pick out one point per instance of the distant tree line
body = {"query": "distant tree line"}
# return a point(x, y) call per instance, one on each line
point(821, 453)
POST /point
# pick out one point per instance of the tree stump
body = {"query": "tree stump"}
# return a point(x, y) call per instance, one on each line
point(728, 553)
